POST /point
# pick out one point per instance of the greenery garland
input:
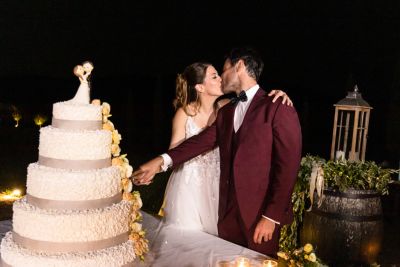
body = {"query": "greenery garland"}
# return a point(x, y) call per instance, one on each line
point(339, 175)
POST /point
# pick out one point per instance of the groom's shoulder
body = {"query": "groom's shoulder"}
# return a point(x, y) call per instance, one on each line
point(276, 106)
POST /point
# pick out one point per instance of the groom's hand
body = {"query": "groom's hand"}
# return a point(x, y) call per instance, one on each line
point(145, 174)
point(264, 230)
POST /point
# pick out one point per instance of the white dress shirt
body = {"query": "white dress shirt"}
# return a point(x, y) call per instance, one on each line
point(240, 112)
point(242, 106)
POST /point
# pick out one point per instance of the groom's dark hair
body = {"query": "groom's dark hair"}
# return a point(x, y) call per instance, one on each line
point(252, 60)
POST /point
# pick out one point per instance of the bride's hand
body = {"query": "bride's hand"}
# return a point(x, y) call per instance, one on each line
point(145, 174)
point(279, 93)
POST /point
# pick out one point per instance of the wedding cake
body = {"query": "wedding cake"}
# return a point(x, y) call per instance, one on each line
point(74, 213)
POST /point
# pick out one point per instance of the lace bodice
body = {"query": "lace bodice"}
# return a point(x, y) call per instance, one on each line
point(209, 158)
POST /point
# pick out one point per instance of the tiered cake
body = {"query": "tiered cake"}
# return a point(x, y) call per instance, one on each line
point(73, 213)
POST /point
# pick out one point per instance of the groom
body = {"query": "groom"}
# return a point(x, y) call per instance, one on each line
point(260, 150)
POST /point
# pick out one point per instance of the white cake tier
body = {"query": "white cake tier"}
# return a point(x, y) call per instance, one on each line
point(76, 112)
point(72, 185)
point(70, 226)
point(17, 256)
point(74, 145)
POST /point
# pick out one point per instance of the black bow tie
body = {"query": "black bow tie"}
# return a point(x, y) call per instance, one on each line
point(241, 97)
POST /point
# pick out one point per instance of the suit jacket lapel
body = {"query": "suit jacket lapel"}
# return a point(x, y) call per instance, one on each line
point(228, 126)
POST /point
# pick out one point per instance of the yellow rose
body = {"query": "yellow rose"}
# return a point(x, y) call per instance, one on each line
point(127, 196)
point(308, 248)
point(115, 150)
point(136, 227)
point(117, 161)
point(96, 102)
point(129, 171)
point(124, 182)
point(306, 256)
point(141, 247)
point(135, 216)
point(116, 137)
point(106, 108)
point(128, 186)
point(108, 126)
point(122, 170)
point(137, 203)
point(312, 257)
point(134, 236)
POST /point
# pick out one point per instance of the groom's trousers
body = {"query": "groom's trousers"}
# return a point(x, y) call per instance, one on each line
point(232, 228)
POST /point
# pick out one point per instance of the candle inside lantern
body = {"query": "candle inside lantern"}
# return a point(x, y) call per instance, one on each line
point(242, 262)
point(269, 263)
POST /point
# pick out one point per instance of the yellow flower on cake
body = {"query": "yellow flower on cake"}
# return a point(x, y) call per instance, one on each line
point(127, 196)
point(115, 150)
point(118, 161)
point(105, 118)
point(134, 237)
point(136, 227)
point(137, 200)
point(106, 108)
point(135, 216)
point(141, 247)
point(122, 170)
point(96, 102)
point(108, 126)
point(308, 248)
point(116, 137)
point(129, 170)
point(129, 186)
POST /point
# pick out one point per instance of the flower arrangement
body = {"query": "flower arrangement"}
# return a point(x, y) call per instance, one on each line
point(289, 239)
point(315, 174)
point(301, 257)
point(137, 234)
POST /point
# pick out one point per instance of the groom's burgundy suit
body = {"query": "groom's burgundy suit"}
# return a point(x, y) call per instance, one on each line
point(259, 165)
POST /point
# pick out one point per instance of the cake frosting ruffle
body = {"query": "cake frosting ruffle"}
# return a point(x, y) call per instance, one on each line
point(72, 185)
point(14, 255)
point(70, 225)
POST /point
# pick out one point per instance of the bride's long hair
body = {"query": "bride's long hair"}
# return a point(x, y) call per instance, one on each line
point(186, 82)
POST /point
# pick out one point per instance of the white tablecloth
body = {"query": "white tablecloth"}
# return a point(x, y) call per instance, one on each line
point(174, 247)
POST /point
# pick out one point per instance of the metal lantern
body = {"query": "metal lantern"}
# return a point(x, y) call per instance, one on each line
point(350, 127)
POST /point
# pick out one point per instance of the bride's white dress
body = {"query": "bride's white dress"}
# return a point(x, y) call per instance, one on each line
point(191, 198)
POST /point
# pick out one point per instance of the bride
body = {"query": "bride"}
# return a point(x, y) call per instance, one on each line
point(191, 196)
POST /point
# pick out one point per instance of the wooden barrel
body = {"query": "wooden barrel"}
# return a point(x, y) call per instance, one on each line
point(346, 229)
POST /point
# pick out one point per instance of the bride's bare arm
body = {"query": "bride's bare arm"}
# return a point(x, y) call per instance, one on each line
point(178, 128)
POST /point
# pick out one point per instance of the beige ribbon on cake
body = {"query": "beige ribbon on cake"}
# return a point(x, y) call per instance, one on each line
point(74, 164)
point(53, 247)
point(77, 125)
point(43, 203)
point(129, 264)
point(4, 264)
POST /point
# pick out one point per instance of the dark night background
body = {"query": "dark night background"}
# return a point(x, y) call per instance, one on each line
point(315, 51)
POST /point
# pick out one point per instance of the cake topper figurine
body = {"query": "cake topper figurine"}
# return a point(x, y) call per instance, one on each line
point(83, 72)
